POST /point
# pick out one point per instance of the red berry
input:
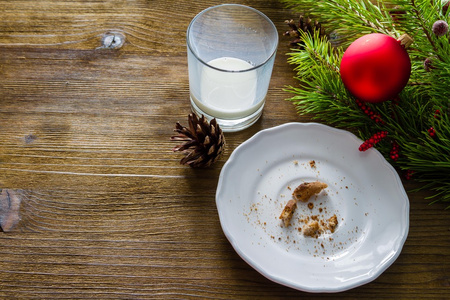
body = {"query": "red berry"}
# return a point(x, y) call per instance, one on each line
point(369, 143)
point(432, 132)
point(437, 112)
point(368, 111)
point(409, 174)
point(394, 151)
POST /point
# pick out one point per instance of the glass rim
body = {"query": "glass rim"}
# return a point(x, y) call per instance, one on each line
point(232, 71)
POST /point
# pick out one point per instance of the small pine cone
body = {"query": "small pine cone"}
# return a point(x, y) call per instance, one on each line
point(428, 64)
point(204, 142)
point(304, 25)
point(440, 28)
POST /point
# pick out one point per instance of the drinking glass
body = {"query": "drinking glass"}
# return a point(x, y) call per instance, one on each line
point(231, 51)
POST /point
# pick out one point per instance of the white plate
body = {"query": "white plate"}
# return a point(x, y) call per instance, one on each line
point(364, 192)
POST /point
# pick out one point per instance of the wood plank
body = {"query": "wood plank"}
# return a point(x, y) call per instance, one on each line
point(106, 210)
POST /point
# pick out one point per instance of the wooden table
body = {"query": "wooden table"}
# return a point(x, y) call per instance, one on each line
point(105, 210)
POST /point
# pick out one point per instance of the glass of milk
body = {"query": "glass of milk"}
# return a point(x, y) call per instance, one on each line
point(231, 50)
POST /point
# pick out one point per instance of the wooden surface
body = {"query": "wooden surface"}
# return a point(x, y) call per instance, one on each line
point(105, 210)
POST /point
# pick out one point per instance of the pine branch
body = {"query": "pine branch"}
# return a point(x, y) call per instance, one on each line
point(365, 17)
point(423, 24)
point(418, 121)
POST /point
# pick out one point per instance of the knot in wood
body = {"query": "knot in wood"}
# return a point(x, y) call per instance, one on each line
point(9, 209)
point(113, 40)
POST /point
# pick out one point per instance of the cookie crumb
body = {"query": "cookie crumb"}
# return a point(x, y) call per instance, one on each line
point(332, 223)
point(311, 228)
point(302, 193)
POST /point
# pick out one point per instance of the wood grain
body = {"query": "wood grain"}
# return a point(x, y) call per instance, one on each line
point(106, 210)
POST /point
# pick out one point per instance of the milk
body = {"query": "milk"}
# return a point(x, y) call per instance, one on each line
point(225, 94)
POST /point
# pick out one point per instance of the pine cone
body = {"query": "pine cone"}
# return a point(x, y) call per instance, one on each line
point(204, 141)
point(304, 25)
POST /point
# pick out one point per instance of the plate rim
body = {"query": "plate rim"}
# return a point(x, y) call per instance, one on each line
point(378, 270)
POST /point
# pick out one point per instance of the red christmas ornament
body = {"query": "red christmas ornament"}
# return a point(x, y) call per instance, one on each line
point(376, 67)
